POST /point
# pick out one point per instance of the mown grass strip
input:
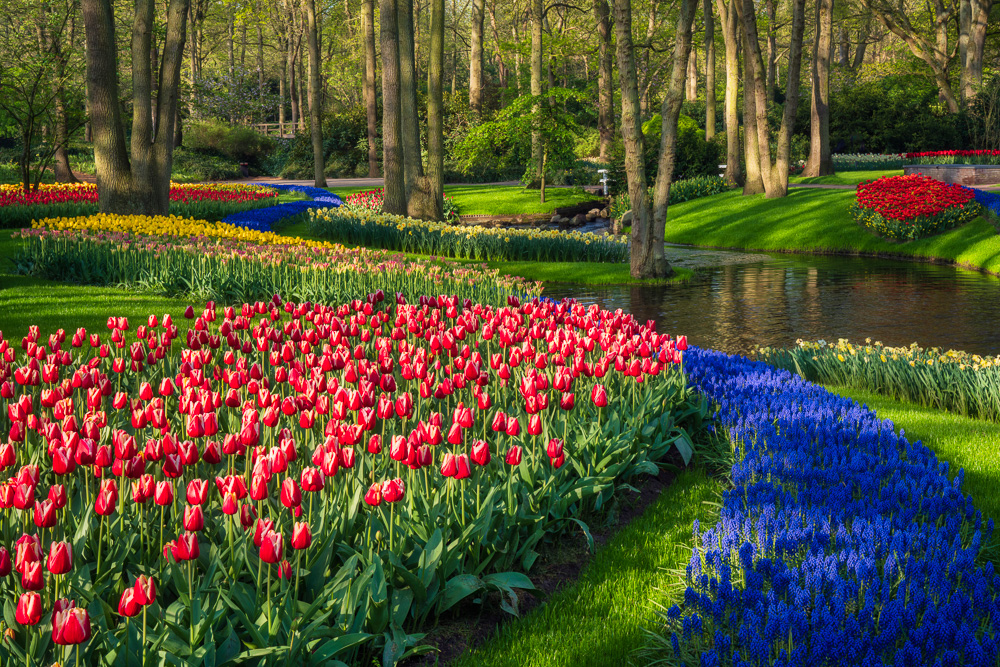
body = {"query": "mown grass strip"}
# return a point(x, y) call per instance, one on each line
point(845, 177)
point(599, 620)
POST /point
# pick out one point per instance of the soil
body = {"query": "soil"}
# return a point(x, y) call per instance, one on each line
point(558, 566)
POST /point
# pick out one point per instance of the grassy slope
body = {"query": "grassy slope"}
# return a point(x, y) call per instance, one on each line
point(25, 300)
point(512, 199)
point(846, 177)
point(964, 442)
point(600, 618)
point(816, 220)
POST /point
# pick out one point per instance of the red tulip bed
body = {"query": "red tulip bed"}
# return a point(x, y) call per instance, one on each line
point(60, 200)
point(904, 208)
point(311, 483)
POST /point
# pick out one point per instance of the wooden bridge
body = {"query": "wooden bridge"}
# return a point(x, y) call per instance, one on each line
point(284, 130)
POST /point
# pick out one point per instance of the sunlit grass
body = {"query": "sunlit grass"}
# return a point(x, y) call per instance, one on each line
point(846, 177)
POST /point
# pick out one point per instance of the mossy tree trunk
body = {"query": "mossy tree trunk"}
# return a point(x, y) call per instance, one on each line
point(394, 200)
point(315, 94)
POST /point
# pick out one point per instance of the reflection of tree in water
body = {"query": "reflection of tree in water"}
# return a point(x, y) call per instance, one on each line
point(736, 307)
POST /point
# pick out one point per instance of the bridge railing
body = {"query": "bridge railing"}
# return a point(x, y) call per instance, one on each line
point(286, 129)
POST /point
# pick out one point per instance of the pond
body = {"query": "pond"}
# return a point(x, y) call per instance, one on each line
point(774, 300)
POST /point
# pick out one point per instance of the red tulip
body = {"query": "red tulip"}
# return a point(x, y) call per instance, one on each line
point(197, 491)
point(599, 396)
point(247, 515)
point(145, 590)
point(32, 579)
point(535, 425)
point(229, 504)
point(45, 513)
point(448, 465)
point(291, 495)
point(71, 626)
point(28, 549)
point(513, 427)
point(513, 457)
point(566, 400)
point(194, 518)
point(5, 562)
point(312, 479)
point(189, 312)
point(393, 490)
point(301, 535)
point(455, 434)
point(164, 494)
point(127, 604)
point(480, 452)
point(263, 525)
point(374, 495)
point(107, 497)
point(284, 570)
point(185, 547)
point(29, 609)
point(60, 557)
point(270, 547)
point(462, 467)
point(554, 448)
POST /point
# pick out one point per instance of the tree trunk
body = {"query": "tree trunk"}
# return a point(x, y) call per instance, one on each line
point(536, 86)
point(260, 64)
point(729, 18)
point(644, 75)
point(772, 48)
point(61, 166)
point(476, 57)
point(413, 167)
point(231, 41)
point(605, 86)
point(394, 199)
point(753, 182)
point(691, 85)
point(670, 113)
point(775, 172)
point(293, 85)
point(643, 261)
point(371, 108)
point(315, 90)
point(820, 160)
point(141, 185)
point(859, 54)
point(435, 115)
point(709, 69)
point(973, 17)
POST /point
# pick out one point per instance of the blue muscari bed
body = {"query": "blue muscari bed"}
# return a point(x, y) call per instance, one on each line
point(262, 219)
point(854, 545)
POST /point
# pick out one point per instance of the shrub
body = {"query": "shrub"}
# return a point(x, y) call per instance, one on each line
point(194, 166)
point(237, 143)
point(393, 232)
point(904, 208)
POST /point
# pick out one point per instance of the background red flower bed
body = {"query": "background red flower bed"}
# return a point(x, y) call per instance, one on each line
point(906, 197)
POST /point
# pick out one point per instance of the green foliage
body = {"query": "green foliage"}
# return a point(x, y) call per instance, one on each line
point(238, 143)
point(694, 155)
point(954, 381)
point(680, 191)
point(192, 166)
point(394, 232)
point(894, 114)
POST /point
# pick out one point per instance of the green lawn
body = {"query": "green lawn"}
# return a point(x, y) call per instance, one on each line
point(816, 220)
point(972, 444)
point(512, 199)
point(846, 177)
point(599, 620)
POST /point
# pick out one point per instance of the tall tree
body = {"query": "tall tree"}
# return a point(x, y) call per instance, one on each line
point(773, 171)
point(432, 185)
point(409, 120)
point(973, 21)
point(394, 199)
point(476, 56)
point(709, 69)
point(605, 85)
point(371, 109)
point(537, 156)
point(820, 159)
point(315, 94)
point(139, 183)
point(729, 18)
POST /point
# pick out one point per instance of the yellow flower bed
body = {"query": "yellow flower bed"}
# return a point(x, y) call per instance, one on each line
point(171, 225)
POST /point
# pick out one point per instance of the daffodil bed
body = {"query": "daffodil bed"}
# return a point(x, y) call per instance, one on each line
point(967, 384)
point(841, 542)
point(394, 232)
point(307, 482)
point(205, 201)
point(181, 256)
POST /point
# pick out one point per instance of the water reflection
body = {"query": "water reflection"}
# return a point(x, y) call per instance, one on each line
point(735, 307)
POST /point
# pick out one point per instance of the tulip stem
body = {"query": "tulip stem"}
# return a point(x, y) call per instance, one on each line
point(268, 604)
point(144, 633)
point(190, 576)
point(100, 545)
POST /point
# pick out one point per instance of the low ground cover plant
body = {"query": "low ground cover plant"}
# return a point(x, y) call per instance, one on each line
point(311, 483)
point(904, 208)
point(371, 200)
point(870, 161)
point(968, 384)
point(394, 232)
point(177, 256)
point(841, 543)
point(208, 202)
